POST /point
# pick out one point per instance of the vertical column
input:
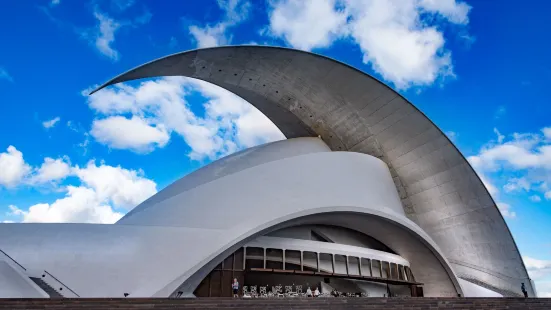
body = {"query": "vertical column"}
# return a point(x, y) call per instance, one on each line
point(318, 261)
point(264, 258)
point(244, 257)
point(389, 270)
point(381, 268)
point(210, 282)
point(360, 265)
point(301, 261)
point(333, 262)
point(233, 266)
point(283, 257)
point(347, 266)
point(370, 267)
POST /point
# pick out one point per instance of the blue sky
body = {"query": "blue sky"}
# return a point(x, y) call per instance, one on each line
point(477, 69)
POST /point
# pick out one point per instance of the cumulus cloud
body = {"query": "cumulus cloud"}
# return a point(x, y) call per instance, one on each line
point(13, 167)
point(122, 187)
point(228, 124)
point(522, 159)
point(235, 11)
point(51, 170)
point(51, 123)
point(135, 133)
point(307, 24)
point(395, 39)
point(80, 205)
point(103, 195)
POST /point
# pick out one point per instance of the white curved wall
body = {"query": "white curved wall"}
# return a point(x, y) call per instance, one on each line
point(232, 164)
point(161, 247)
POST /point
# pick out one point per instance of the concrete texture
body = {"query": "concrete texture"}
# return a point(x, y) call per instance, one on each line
point(309, 95)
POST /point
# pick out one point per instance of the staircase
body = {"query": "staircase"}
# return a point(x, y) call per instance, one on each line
point(417, 303)
point(46, 288)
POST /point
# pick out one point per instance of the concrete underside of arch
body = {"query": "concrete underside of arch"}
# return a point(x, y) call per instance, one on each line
point(428, 264)
point(310, 95)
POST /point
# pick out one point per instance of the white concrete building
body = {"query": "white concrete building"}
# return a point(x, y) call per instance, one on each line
point(366, 195)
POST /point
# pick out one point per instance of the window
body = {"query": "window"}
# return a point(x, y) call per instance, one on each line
point(340, 264)
point(274, 258)
point(353, 266)
point(310, 261)
point(366, 270)
point(326, 262)
point(255, 258)
point(292, 260)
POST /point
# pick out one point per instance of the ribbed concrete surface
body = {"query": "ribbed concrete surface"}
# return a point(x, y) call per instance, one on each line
point(281, 303)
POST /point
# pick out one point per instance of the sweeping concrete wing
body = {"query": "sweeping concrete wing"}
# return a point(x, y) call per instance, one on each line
point(305, 94)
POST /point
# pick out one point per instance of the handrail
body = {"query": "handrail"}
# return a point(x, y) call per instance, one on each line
point(61, 283)
point(13, 260)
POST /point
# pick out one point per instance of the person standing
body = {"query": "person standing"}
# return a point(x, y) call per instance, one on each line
point(235, 288)
point(523, 289)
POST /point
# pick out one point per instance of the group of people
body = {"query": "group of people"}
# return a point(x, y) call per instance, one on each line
point(309, 292)
point(235, 289)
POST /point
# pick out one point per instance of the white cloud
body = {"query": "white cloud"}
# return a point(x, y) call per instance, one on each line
point(123, 4)
point(4, 75)
point(547, 133)
point(393, 36)
point(51, 170)
point(229, 123)
point(122, 187)
point(135, 134)
point(55, 2)
point(81, 205)
point(456, 12)
point(500, 137)
point(307, 24)
point(235, 11)
point(51, 123)
point(539, 271)
point(12, 167)
point(517, 184)
point(537, 268)
point(103, 195)
point(505, 209)
point(492, 189)
point(524, 159)
point(103, 35)
point(523, 151)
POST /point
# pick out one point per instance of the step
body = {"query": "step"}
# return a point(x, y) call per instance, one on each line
point(279, 303)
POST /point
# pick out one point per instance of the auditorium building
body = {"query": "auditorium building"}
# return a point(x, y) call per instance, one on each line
point(365, 195)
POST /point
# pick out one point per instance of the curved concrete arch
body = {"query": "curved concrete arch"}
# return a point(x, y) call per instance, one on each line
point(305, 94)
point(426, 260)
